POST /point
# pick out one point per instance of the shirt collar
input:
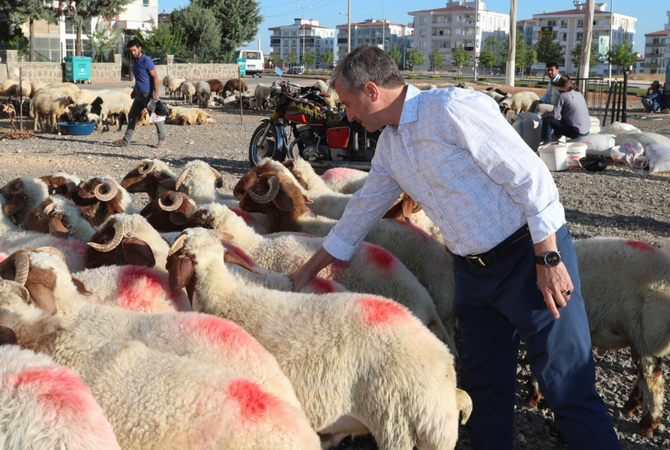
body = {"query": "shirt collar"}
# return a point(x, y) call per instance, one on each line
point(410, 108)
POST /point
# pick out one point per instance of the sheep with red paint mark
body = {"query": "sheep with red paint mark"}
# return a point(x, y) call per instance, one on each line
point(344, 180)
point(277, 196)
point(197, 336)
point(158, 400)
point(626, 289)
point(358, 363)
point(371, 269)
point(46, 406)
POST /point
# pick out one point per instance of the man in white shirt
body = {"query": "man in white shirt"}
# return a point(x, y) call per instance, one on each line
point(498, 209)
point(547, 102)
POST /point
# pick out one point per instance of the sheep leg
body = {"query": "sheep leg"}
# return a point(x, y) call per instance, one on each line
point(634, 402)
point(652, 394)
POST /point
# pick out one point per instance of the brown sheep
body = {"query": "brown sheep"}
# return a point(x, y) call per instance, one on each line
point(216, 86)
point(235, 85)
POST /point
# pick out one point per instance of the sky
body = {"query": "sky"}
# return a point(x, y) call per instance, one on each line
point(327, 12)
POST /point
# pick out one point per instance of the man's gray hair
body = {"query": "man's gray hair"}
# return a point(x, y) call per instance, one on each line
point(363, 64)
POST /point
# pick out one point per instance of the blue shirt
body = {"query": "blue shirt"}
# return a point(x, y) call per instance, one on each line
point(551, 94)
point(141, 69)
point(459, 159)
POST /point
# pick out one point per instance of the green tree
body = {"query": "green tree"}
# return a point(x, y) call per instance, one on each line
point(623, 56)
point(275, 59)
point(531, 58)
point(102, 41)
point(435, 58)
point(520, 53)
point(488, 56)
point(90, 9)
point(460, 57)
point(23, 11)
point(327, 58)
point(238, 19)
point(292, 57)
point(415, 58)
point(309, 58)
point(165, 40)
point(201, 30)
point(13, 38)
point(395, 54)
point(549, 50)
point(576, 54)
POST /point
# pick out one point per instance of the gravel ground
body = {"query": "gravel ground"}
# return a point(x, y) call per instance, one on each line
point(617, 202)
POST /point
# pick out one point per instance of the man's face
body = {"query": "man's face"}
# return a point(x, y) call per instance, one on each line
point(552, 72)
point(135, 51)
point(360, 108)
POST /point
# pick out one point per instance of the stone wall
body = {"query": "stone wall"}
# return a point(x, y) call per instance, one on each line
point(53, 72)
point(202, 72)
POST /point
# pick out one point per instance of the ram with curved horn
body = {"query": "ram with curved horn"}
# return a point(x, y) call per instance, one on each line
point(170, 212)
point(151, 176)
point(59, 217)
point(100, 197)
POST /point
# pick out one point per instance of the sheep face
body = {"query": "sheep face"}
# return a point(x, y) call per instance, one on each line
point(40, 282)
point(16, 197)
point(97, 199)
point(250, 178)
point(273, 194)
point(169, 212)
point(45, 219)
point(146, 178)
point(109, 246)
point(58, 184)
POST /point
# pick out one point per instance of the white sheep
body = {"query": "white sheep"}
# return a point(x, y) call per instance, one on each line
point(331, 98)
point(46, 107)
point(187, 91)
point(519, 102)
point(496, 94)
point(68, 88)
point(200, 181)
point(344, 180)
point(10, 88)
point(262, 93)
point(46, 406)
point(151, 176)
point(89, 95)
point(190, 116)
point(158, 400)
point(371, 269)
point(111, 103)
point(203, 92)
point(174, 86)
point(408, 397)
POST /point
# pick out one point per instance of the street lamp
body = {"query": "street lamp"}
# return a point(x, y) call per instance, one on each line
point(302, 19)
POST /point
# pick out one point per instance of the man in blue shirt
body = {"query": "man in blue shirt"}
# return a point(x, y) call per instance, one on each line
point(653, 101)
point(516, 268)
point(145, 91)
point(546, 103)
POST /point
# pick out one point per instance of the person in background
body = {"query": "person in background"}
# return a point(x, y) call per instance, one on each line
point(145, 91)
point(653, 101)
point(500, 215)
point(570, 116)
point(548, 100)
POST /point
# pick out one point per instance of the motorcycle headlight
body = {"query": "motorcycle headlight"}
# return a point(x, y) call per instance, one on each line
point(294, 88)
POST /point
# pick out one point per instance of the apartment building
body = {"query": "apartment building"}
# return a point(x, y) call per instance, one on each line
point(655, 60)
point(303, 36)
point(567, 27)
point(460, 23)
point(379, 32)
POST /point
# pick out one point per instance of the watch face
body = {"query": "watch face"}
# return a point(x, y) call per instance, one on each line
point(552, 259)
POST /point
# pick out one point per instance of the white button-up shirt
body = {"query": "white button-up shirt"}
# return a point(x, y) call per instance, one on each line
point(459, 159)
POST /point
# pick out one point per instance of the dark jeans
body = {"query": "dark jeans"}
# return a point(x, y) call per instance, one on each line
point(560, 129)
point(500, 304)
point(139, 103)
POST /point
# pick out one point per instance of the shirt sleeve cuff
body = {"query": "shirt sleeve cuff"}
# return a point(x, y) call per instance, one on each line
point(547, 222)
point(338, 247)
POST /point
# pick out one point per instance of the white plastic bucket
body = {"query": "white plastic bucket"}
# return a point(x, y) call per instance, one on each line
point(574, 152)
point(594, 120)
point(554, 156)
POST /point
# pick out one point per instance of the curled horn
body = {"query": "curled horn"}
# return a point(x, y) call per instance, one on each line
point(146, 167)
point(48, 209)
point(272, 193)
point(52, 251)
point(181, 178)
point(119, 229)
point(22, 264)
point(110, 187)
point(177, 199)
point(219, 179)
point(178, 244)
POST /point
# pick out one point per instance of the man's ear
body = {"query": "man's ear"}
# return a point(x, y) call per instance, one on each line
point(371, 90)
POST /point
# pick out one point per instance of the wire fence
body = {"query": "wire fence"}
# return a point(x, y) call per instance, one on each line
point(606, 100)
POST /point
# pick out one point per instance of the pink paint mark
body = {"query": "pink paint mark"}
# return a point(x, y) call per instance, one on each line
point(2, 257)
point(239, 252)
point(643, 246)
point(75, 246)
point(379, 311)
point(58, 386)
point(140, 288)
point(216, 330)
point(338, 174)
point(322, 286)
point(381, 258)
point(248, 218)
point(253, 400)
point(305, 235)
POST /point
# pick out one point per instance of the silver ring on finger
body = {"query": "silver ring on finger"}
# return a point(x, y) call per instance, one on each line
point(566, 293)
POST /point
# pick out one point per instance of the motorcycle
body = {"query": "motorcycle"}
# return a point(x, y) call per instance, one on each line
point(301, 126)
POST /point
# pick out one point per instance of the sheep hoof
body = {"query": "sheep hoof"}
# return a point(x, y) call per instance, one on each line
point(647, 424)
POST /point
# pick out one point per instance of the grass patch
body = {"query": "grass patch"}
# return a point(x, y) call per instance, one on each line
point(308, 72)
point(435, 77)
point(412, 75)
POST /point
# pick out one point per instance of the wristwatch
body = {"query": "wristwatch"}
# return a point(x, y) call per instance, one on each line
point(551, 258)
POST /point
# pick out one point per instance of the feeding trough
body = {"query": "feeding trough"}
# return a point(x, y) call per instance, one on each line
point(76, 128)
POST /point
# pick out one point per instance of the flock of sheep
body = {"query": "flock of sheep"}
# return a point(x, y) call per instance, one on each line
point(175, 326)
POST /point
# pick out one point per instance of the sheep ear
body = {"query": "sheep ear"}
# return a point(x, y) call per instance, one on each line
point(166, 181)
point(58, 229)
point(181, 272)
point(178, 218)
point(7, 336)
point(138, 253)
point(283, 201)
point(14, 205)
point(81, 287)
point(42, 296)
point(234, 258)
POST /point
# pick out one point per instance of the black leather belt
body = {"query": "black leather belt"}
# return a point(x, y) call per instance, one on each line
point(501, 251)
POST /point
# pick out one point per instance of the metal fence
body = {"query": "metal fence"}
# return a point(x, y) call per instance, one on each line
point(606, 100)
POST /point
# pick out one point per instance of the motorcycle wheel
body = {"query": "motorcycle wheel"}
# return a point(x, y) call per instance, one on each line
point(256, 152)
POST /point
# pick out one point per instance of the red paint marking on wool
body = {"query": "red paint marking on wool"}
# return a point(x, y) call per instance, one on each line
point(2, 257)
point(239, 252)
point(305, 235)
point(248, 218)
point(379, 311)
point(381, 258)
point(337, 174)
point(639, 245)
point(58, 386)
point(74, 245)
point(253, 400)
point(216, 330)
point(139, 287)
point(322, 286)
point(416, 230)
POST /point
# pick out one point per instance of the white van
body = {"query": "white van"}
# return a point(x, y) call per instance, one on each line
point(254, 61)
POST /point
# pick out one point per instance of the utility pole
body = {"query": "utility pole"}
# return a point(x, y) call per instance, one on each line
point(302, 20)
point(609, 64)
point(476, 40)
point(383, 24)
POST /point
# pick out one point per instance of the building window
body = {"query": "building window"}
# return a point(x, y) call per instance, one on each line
point(422, 20)
point(422, 33)
point(422, 45)
point(580, 23)
point(145, 2)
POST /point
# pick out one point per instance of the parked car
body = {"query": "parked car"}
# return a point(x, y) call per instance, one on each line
point(296, 70)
